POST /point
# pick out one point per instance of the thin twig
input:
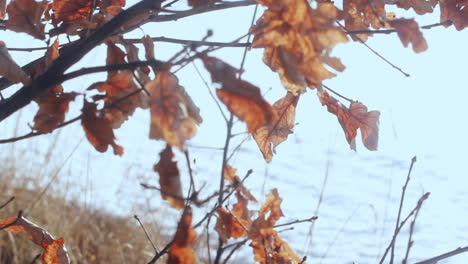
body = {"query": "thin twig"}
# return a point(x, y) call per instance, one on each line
point(310, 219)
point(403, 192)
point(147, 235)
point(236, 247)
point(194, 42)
point(389, 31)
point(392, 241)
point(337, 94)
point(18, 217)
point(449, 254)
point(7, 202)
point(355, 37)
point(410, 237)
point(213, 210)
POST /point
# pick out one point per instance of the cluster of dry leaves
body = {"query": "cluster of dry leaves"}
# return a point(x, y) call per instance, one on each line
point(297, 39)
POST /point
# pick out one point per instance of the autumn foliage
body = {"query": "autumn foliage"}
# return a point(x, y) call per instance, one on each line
point(297, 39)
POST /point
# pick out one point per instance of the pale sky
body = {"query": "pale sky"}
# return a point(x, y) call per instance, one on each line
point(423, 115)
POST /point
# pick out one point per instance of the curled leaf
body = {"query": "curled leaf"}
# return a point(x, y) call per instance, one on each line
point(297, 41)
point(8, 67)
point(408, 32)
point(180, 251)
point(174, 116)
point(353, 118)
point(98, 129)
point(456, 11)
point(271, 135)
point(25, 16)
point(169, 178)
point(55, 251)
point(70, 10)
point(242, 98)
point(268, 247)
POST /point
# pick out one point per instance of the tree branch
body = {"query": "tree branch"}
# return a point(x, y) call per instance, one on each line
point(194, 42)
point(449, 254)
point(69, 57)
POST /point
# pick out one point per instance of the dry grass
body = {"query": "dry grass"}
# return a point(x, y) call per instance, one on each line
point(91, 235)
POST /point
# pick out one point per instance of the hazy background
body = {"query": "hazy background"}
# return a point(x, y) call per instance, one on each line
point(423, 115)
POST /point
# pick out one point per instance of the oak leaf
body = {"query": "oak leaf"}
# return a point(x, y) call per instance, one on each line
point(270, 136)
point(52, 108)
point(455, 10)
point(242, 98)
point(297, 39)
point(98, 129)
point(54, 250)
point(9, 69)
point(2, 9)
point(363, 14)
point(25, 16)
point(180, 251)
point(353, 118)
point(408, 32)
point(169, 178)
point(231, 176)
point(70, 10)
point(421, 7)
point(268, 247)
point(174, 116)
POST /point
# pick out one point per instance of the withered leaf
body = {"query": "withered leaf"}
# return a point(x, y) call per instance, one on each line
point(270, 136)
point(454, 10)
point(54, 250)
point(419, 6)
point(268, 247)
point(408, 31)
point(70, 10)
point(297, 41)
point(353, 118)
point(52, 108)
point(25, 16)
point(362, 14)
point(180, 251)
point(169, 178)
point(174, 116)
point(2, 9)
point(234, 224)
point(242, 98)
point(231, 176)
point(98, 129)
point(9, 69)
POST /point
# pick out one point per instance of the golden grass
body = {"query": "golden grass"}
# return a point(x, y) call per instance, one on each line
point(91, 235)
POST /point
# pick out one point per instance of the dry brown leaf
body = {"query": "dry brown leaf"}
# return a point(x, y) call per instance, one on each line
point(353, 118)
point(174, 116)
point(25, 16)
point(54, 250)
point(98, 129)
point(297, 41)
point(70, 10)
point(270, 136)
point(2, 9)
point(408, 32)
point(455, 10)
point(419, 6)
point(52, 108)
point(242, 98)
point(363, 14)
point(9, 69)
point(169, 178)
point(230, 175)
point(180, 251)
point(268, 247)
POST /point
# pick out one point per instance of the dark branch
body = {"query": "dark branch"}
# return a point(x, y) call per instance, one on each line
point(449, 254)
point(194, 42)
point(69, 57)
